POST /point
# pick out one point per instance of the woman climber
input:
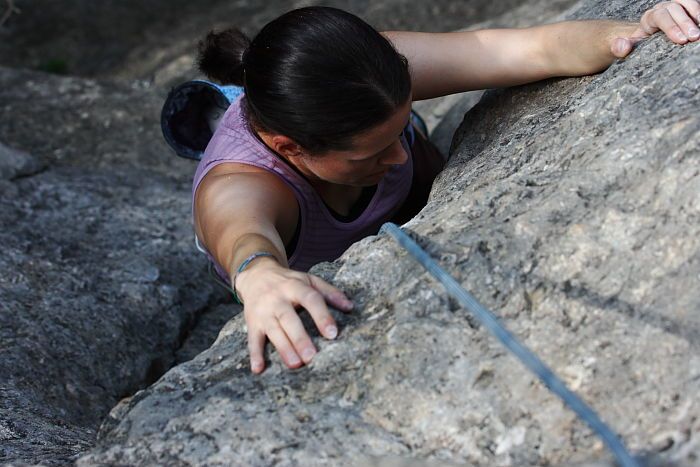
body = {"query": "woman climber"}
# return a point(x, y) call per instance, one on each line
point(321, 148)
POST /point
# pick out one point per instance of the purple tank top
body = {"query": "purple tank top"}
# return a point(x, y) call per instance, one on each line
point(321, 237)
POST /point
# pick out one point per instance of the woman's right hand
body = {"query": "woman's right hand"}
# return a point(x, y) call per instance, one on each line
point(271, 293)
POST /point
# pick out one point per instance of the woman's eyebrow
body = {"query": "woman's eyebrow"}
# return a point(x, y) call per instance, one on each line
point(403, 128)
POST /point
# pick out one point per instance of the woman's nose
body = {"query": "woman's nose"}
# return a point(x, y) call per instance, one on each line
point(395, 154)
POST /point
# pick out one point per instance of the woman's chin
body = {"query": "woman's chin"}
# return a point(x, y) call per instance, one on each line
point(368, 180)
point(378, 176)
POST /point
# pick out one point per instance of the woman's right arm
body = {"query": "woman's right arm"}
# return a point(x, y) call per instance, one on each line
point(238, 214)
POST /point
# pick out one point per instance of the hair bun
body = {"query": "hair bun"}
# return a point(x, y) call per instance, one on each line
point(220, 56)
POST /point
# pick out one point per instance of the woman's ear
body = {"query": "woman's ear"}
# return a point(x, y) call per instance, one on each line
point(285, 146)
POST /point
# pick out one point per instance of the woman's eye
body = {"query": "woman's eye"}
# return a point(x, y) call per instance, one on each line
point(365, 159)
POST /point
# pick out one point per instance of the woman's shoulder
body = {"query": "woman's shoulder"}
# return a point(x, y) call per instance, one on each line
point(234, 144)
point(229, 168)
point(241, 185)
point(254, 178)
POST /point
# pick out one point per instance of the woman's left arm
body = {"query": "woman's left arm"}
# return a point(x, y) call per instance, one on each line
point(446, 63)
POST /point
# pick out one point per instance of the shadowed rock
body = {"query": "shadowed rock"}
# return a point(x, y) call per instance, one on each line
point(154, 41)
point(99, 279)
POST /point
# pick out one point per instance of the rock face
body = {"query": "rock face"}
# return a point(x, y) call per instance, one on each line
point(570, 208)
point(153, 41)
point(99, 278)
point(101, 289)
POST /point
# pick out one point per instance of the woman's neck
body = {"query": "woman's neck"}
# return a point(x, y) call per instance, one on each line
point(327, 190)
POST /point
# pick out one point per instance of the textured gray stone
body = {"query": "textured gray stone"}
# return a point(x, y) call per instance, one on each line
point(101, 289)
point(570, 207)
point(86, 124)
point(99, 278)
point(154, 41)
point(15, 163)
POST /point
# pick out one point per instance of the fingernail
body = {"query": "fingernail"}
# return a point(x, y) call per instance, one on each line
point(293, 359)
point(347, 303)
point(694, 33)
point(331, 332)
point(256, 366)
point(307, 354)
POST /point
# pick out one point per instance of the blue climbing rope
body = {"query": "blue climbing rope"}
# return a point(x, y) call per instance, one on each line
point(528, 358)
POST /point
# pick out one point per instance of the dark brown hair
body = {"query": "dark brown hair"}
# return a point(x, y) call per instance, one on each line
point(318, 75)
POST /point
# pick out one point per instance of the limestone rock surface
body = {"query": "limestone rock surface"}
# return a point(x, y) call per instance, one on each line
point(14, 164)
point(101, 289)
point(569, 207)
point(99, 278)
point(153, 41)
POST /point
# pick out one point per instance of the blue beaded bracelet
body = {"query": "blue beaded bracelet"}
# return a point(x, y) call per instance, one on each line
point(244, 265)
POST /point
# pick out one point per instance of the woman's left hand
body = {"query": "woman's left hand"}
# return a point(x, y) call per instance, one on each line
point(678, 19)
